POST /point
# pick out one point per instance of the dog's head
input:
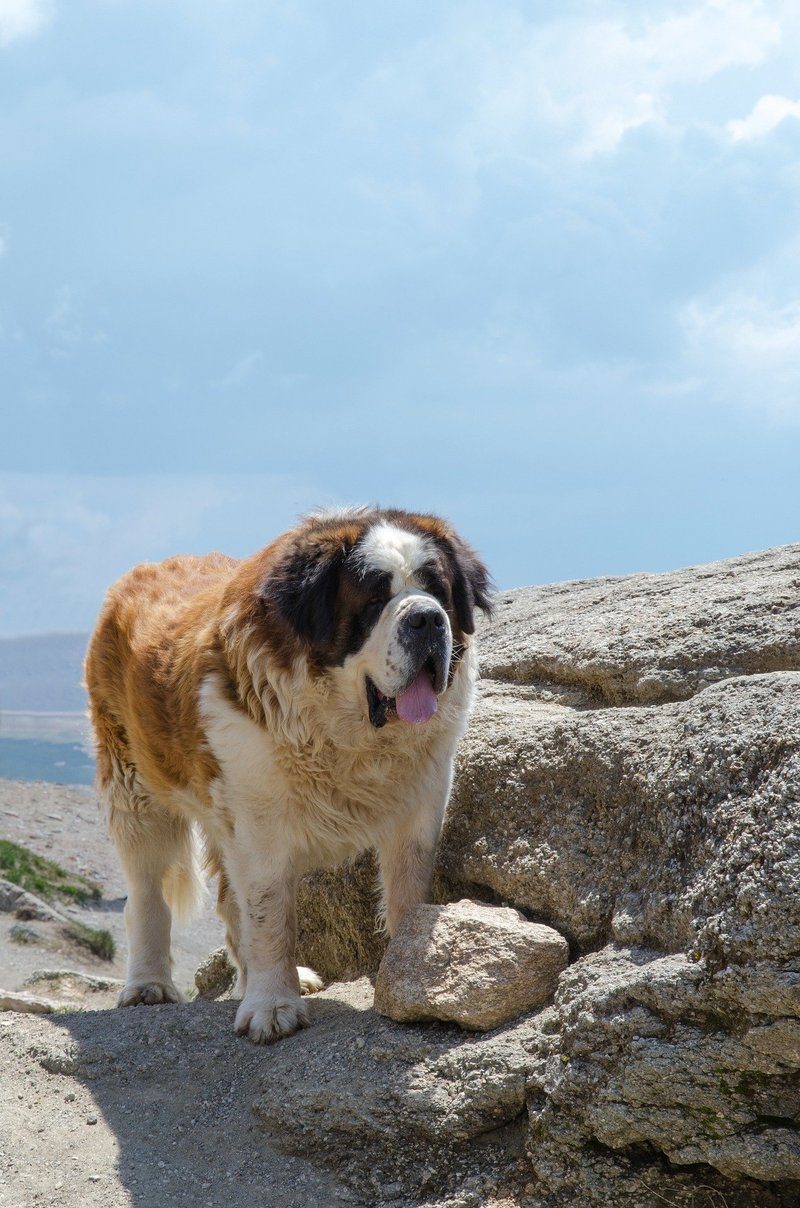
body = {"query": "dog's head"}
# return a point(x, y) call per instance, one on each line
point(388, 596)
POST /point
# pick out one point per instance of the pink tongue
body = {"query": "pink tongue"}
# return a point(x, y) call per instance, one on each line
point(418, 703)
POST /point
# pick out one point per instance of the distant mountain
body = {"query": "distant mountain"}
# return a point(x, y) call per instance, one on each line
point(43, 672)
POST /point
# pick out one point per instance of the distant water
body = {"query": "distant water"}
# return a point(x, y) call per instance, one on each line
point(33, 759)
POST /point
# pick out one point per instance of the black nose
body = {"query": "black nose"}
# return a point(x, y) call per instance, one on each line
point(428, 619)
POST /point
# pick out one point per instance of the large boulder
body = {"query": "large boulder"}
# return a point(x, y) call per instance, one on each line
point(644, 639)
point(631, 777)
point(671, 825)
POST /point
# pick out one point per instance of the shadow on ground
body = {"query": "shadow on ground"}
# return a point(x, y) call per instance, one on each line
point(152, 1105)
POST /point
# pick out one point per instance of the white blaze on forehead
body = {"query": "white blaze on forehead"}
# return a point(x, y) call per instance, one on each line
point(396, 551)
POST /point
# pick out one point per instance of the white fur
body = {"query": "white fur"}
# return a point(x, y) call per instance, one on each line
point(385, 547)
point(313, 786)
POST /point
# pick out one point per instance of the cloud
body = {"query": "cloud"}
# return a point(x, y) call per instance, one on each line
point(745, 349)
point(525, 89)
point(67, 326)
point(23, 19)
point(604, 78)
point(767, 113)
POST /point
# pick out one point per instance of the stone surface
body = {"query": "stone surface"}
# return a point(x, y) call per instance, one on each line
point(360, 1109)
point(674, 825)
point(216, 975)
point(72, 989)
point(337, 930)
point(25, 905)
point(658, 1054)
point(471, 964)
point(645, 639)
point(21, 1000)
point(21, 933)
point(74, 980)
point(369, 1082)
point(170, 1090)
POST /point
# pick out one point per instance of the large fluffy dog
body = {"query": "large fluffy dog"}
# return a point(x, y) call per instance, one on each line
point(300, 706)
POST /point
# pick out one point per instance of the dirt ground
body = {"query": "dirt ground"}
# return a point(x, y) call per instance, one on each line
point(175, 1133)
point(105, 1109)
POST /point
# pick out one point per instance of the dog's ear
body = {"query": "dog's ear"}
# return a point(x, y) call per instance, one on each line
point(470, 582)
point(304, 589)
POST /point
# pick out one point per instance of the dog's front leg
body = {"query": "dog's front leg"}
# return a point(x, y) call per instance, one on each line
point(271, 1006)
point(407, 857)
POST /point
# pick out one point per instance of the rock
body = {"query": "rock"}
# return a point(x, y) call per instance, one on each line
point(74, 978)
point(24, 905)
point(19, 1000)
point(645, 639)
point(337, 932)
point(216, 975)
point(21, 934)
point(654, 1053)
point(378, 1100)
point(475, 965)
point(676, 826)
point(75, 989)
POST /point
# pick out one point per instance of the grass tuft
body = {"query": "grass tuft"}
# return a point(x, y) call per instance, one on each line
point(43, 877)
point(97, 940)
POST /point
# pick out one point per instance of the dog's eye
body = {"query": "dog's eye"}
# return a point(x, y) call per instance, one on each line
point(374, 605)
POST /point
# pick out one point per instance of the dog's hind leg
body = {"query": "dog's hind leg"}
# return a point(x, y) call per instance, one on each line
point(157, 850)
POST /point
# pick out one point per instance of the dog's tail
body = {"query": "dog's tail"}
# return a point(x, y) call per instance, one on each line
point(183, 884)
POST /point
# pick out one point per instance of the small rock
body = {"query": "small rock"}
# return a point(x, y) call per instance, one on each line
point(20, 934)
point(75, 979)
point(91, 1119)
point(215, 975)
point(471, 964)
point(24, 905)
point(32, 1004)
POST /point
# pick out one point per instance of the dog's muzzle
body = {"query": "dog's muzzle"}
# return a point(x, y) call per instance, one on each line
point(424, 636)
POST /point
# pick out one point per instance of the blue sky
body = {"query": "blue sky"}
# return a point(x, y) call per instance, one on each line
point(531, 266)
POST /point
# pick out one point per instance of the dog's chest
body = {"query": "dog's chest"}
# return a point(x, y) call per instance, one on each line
point(329, 800)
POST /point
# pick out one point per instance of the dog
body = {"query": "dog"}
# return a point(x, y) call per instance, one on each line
point(295, 707)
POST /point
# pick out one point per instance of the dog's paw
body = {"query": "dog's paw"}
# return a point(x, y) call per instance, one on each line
point(264, 1020)
point(310, 981)
point(148, 994)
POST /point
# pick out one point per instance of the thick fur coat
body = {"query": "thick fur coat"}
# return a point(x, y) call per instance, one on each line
point(295, 708)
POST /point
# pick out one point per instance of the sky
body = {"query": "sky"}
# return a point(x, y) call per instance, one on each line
point(530, 266)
